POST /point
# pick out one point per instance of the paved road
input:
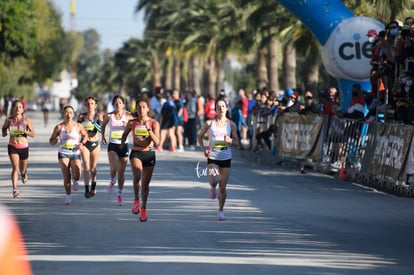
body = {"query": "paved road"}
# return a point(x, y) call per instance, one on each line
point(278, 221)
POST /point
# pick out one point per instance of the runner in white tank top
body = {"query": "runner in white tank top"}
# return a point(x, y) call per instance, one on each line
point(117, 156)
point(72, 137)
point(222, 135)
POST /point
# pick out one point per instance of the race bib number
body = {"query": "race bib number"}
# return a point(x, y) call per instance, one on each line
point(141, 131)
point(14, 130)
point(116, 135)
point(88, 126)
point(219, 143)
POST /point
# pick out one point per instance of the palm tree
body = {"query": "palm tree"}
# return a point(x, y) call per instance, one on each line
point(135, 62)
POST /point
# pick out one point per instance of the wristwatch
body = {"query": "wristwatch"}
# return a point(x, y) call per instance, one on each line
point(149, 129)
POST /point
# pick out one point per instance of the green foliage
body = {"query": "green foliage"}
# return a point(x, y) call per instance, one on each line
point(34, 47)
point(17, 29)
point(88, 64)
point(30, 44)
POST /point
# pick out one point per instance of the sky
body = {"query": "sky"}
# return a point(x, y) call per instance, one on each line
point(114, 20)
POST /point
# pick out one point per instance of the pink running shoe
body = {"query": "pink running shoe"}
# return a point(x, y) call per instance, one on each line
point(119, 198)
point(143, 216)
point(135, 209)
point(110, 187)
point(212, 193)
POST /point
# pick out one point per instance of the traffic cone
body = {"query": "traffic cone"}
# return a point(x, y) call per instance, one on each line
point(381, 85)
point(342, 175)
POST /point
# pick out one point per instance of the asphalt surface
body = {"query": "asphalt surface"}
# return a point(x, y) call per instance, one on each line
point(278, 220)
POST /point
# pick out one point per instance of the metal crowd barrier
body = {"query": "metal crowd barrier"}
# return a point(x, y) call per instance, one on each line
point(377, 155)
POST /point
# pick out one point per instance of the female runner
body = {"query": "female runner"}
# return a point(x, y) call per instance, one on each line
point(19, 128)
point(72, 139)
point(117, 156)
point(91, 122)
point(222, 135)
point(146, 135)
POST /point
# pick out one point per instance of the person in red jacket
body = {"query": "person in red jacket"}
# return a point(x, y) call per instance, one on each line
point(209, 108)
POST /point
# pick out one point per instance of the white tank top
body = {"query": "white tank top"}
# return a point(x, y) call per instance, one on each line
point(69, 142)
point(116, 128)
point(219, 148)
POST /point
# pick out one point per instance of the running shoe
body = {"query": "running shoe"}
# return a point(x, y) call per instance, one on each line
point(212, 193)
point(25, 178)
point(16, 193)
point(143, 216)
point(221, 216)
point(119, 198)
point(75, 186)
point(93, 189)
point(135, 209)
point(110, 187)
point(87, 194)
point(68, 200)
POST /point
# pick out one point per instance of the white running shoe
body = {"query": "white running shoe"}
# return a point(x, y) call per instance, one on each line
point(68, 200)
point(221, 216)
point(75, 186)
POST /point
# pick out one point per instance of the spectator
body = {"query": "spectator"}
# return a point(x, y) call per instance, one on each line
point(245, 102)
point(179, 127)
point(382, 64)
point(155, 103)
point(209, 108)
point(357, 104)
point(169, 120)
point(276, 105)
point(310, 107)
point(200, 111)
point(264, 138)
point(328, 102)
point(294, 105)
point(238, 119)
point(190, 128)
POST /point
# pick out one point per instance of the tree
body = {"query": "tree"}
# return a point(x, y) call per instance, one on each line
point(134, 65)
point(30, 36)
point(88, 64)
point(17, 29)
point(47, 59)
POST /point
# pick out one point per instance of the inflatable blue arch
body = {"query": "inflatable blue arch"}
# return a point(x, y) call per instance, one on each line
point(345, 47)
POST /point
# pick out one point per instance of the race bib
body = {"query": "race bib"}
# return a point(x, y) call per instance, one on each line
point(88, 126)
point(141, 131)
point(14, 130)
point(116, 134)
point(219, 143)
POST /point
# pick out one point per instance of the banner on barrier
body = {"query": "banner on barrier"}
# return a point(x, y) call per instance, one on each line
point(387, 153)
point(299, 136)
